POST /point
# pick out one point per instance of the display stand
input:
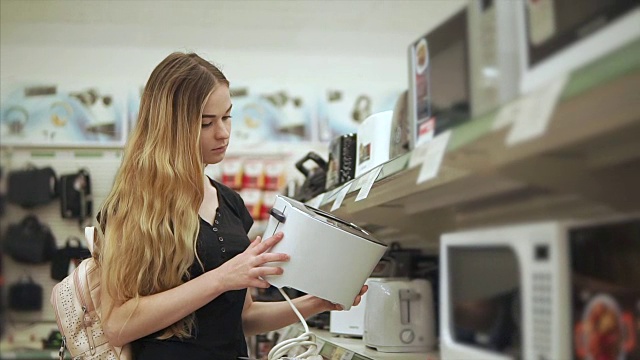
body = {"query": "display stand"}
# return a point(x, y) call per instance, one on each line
point(584, 164)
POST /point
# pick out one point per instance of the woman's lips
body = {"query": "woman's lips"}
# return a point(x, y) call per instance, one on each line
point(220, 149)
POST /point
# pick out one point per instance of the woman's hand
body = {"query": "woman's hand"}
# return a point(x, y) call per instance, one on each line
point(328, 305)
point(247, 269)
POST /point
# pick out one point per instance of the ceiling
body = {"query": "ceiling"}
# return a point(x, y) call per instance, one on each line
point(357, 26)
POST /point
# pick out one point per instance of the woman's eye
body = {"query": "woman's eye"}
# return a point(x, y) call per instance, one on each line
point(227, 117)
point(206, 125)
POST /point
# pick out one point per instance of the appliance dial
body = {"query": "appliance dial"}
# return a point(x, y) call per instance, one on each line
point(407, 336)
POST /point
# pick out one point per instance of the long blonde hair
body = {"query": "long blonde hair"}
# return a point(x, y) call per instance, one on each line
point(150, 217)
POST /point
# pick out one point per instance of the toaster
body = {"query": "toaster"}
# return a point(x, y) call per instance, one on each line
point(329, 258)
point(349, 323)
point(399, 316)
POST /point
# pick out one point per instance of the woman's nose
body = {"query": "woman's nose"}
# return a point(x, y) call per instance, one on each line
point(222, 132)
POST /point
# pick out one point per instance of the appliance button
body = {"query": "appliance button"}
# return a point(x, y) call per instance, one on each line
point(407, 336)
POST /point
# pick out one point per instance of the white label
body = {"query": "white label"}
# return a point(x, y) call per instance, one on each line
point(507, 115)
point(534, 112)
point(417, 155)
point(316, 201)
point(320, 343)
point(340, 197)
point(368, 184)
point(433, 159)
point(342, 354)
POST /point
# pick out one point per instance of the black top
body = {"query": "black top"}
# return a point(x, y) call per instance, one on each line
point(218, 334)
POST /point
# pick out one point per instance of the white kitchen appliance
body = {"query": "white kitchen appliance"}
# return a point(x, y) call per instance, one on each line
point(463, 68)
point(374, 141)
point(556, 37)
point(330, 258)
point(351, 322)
point(548, 290)
point(399, 315)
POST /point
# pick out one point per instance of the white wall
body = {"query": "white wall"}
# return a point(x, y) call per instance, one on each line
point(354, 44)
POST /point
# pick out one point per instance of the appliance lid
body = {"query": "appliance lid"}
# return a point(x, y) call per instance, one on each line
point(333, 220)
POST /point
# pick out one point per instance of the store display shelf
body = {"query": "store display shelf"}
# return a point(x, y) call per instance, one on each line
point(338, 347)
point(583, 164)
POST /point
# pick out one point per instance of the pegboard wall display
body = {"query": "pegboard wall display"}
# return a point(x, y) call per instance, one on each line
point(102, 167)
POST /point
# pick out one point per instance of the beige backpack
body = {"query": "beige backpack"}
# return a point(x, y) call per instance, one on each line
point(76, 303)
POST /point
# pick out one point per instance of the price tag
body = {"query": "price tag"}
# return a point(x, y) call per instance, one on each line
point(435, 153)
point(417, 155)
point(320, 343)
point(368, 183)
point(342, 354)
point(535, 112)
point(316, 201)
point(340, 197)
point(507, 115)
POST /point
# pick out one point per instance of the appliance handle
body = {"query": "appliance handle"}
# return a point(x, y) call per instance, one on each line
point(278, 215)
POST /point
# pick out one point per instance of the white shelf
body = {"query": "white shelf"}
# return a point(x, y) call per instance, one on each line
point(357, 346)
point(582, 166)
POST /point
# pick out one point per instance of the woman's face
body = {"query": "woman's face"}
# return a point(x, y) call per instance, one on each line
point(216, 125)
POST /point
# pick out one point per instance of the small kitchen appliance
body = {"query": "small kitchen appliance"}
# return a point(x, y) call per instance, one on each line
point(330, 258)
point(563, 289)
point(349, 323)
point(399, 315)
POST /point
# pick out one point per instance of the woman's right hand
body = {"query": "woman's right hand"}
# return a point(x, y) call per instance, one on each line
point(247, 269)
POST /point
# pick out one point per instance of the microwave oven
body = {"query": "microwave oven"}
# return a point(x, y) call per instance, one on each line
point(464, 67)
point(559, 36)
point(549, 290)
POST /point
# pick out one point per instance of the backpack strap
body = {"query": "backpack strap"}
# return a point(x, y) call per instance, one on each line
point(89, 234)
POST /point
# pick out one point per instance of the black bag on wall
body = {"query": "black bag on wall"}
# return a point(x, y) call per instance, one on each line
point(2, 194)
point(32, 186)
point(25, 295)
point(30, 241)
point(64, 256)
point(75, 195)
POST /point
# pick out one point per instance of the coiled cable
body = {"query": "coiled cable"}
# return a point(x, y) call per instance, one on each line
point(308, 339)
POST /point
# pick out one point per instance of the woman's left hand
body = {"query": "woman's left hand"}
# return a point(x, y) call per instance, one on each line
point(356, 301)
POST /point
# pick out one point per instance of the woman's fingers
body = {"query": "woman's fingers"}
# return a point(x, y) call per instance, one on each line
point(358, 298)
point(255, 242)
point(268, 270)
point(260, 283)
point(270, 257)
point(268, 243)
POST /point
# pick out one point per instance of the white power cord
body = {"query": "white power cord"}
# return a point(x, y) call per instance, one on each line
point(280, 351)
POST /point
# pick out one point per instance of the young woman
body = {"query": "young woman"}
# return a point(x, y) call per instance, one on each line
point(176, 260)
